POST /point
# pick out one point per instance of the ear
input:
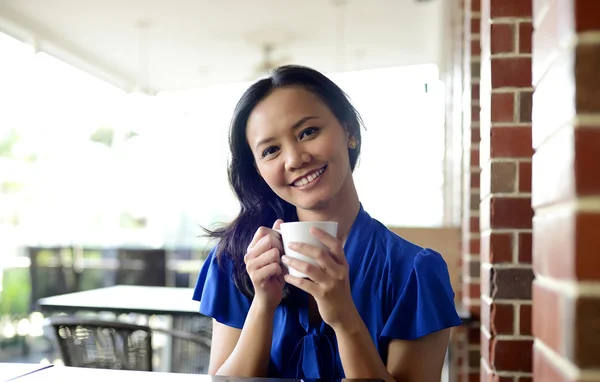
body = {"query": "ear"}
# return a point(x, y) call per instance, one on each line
point(349, 135)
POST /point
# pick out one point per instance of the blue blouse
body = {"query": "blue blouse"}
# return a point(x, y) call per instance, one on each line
point(401, 291)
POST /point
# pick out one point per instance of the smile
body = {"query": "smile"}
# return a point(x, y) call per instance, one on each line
point(310, 178)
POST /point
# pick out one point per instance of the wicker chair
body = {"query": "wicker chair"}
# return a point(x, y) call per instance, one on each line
point(117, 345)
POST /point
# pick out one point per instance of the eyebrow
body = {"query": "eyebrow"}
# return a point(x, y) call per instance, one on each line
point(296, 125)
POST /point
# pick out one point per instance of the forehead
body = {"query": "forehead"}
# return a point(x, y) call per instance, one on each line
point(282, 108)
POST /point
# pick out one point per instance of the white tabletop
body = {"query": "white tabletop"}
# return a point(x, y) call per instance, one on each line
point(126, 299)
point(64, 373)
point(67, 374)
point(11, 371)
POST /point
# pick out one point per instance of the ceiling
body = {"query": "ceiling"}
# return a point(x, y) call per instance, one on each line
point(196, 43)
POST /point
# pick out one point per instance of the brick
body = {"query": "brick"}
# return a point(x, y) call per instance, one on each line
point(503, 177)
point(511, 142)
point(475, 92)
point(474, 158)
point(525, 37)
point(474, 224)
point(512, 283)
point(475, 178)
point(476, 5)
point(525, 247)
point(474, 202)
point(547, 304)
point(586, 15)
point(587, 80)
point(525, 319)
point(474, 246)
point(587, 242)
point(471, 290)
point(473, 333)
point(510, 8)
point(501, 319)
point(511, 72)
point(475, 69)
point(509, 355)
point(475, 137)
point(502, 38)
point(475, 25)
point(474, 358)
point(566, 245)
point(474, 113)
point(584, 312)
point(587, 160)
point(502, 108)
point(507, 212)
point(475, 48)
point(498, 247)
point(525, 106)
point(524, 176)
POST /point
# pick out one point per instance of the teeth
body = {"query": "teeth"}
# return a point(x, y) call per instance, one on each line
point(307, 179)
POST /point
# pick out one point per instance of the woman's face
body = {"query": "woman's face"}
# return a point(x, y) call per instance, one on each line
point(300, 148)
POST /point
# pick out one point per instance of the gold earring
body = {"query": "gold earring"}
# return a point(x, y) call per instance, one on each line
point(352, 144)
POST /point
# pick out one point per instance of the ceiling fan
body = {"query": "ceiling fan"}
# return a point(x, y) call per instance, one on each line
point(268, 62)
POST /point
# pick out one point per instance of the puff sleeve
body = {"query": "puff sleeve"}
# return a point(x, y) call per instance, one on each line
point(219, 297)
point(424, 303)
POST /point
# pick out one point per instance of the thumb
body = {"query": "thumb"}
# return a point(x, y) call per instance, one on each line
point(277, 223)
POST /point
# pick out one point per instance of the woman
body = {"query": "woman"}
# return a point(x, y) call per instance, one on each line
point(377, 306)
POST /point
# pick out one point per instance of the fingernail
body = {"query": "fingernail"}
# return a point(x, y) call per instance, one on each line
point(285, 259)
point(292, 245)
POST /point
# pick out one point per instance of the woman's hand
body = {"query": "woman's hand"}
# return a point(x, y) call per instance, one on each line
point(263, 266)
point(328, 282)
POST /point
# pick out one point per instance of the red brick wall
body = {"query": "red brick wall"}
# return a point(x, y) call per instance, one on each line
point(566, 190)
point(471, 174)
point(505, 209)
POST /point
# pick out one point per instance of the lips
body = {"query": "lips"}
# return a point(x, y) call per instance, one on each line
point(308, 178)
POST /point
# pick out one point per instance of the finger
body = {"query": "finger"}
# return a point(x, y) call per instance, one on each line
point(259, 234)
point(315, 273)
point(277, 224)
point(265, 273)
point(301, 283)
point(267, 242)
point(321, 256)
point(268, 257)
point(336, 248)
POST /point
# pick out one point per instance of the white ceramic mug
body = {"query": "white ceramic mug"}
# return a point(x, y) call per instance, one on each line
point(299, 232)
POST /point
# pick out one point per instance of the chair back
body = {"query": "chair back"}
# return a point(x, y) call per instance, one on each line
point(117, 345)
point(102, 344)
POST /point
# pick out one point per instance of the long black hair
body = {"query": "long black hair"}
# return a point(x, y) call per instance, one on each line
point(259, 205)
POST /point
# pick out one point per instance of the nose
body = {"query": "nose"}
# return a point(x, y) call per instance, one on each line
point(296, 157)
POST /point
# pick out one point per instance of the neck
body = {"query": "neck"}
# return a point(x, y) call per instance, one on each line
point(343, 209)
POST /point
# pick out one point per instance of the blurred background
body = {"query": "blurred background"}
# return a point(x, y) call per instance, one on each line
point(481, 142)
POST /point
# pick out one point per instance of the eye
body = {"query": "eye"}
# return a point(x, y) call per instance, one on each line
point(269, 151)
point(308, 132)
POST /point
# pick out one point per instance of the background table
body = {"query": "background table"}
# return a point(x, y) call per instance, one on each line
point(125, 299)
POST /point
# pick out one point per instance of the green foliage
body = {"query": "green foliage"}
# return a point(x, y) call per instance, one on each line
point(16, 291)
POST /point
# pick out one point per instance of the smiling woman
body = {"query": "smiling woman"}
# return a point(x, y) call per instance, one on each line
point(372, 305)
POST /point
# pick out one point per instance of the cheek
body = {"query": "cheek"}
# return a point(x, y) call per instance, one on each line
point(271, 175)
